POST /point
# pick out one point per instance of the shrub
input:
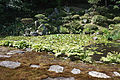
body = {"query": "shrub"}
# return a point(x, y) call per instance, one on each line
point(86, 17)
point(115, 33)
point(75, 17)
point(116, 19)
point(90, 28)
point(39, 16)
point(74, 26)
point(102, 10)
point(63, 30)
point(93, 13)
point(99, 19)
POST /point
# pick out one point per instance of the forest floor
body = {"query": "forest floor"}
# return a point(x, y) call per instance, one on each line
point(45, 60)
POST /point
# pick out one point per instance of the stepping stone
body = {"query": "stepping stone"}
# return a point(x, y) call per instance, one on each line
point(116, 73)
point(10, 64)
point(98, 74)
point(35, 66)
point(15, 51)
point(76, 71)
point(4, 56)
point(56, 68)
point(60, 78)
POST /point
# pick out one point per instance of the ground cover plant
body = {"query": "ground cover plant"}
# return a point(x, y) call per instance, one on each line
point(72, 46)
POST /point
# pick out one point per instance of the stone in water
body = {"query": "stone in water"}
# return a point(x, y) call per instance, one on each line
point(10, 64)
point(56, 68)
point(76, 71)
point(35, 66)
point(4, 56)
point(60, 78)
point(15, 51)
point(98, 74)
point(116, 73)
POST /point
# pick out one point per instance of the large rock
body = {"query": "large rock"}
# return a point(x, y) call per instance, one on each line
point(15, 51)
point(56, 68)
point(98, 74)
point(10, 64)
point(4, 56)
point(60, 78)
point(76, 71)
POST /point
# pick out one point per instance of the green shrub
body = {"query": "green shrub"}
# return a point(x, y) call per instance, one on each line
point(93, 13)
point(115, 33)
point(116, 19)
point(39, 16)
point(74, 26)
point(90, 28)
point(87, 17)
point(63, 30)
point(102, 10)
point(99, 19)
point(76, 17)
point(111, 26)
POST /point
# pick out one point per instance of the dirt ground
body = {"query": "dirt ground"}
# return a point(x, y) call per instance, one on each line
point(45, 60)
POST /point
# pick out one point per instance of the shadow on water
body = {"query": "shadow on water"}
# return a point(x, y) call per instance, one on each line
point(104, 49)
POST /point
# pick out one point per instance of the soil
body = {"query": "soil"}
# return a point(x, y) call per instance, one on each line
point(45, 60)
